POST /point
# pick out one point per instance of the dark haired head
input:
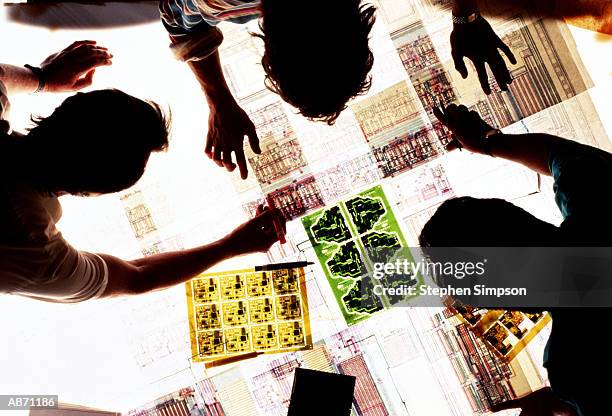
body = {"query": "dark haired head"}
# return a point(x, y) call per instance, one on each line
point(472, 222)
point(95, 142)
point(317, 62)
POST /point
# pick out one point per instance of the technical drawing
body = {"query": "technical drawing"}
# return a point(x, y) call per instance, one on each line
point(281, 152)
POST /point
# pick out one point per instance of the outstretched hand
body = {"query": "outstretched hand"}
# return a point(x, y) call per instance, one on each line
point(73, 68)
point(478, 42)
point(467, 127)
point(257, 234)
point(227, 126)
point(542, 402)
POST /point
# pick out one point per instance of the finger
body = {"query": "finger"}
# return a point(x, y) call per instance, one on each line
point(482, 76)
point(209, 146)
point(93, 56)
point(452, 114)
point(86, 81)
point(507, 405)
point(462, 110)
point(459, 63)
point(87, 64)
point(227, 161)
point(506, 50)
point(476, 119)
point(500, 71)
point(83, 48)
point(253, 139)
point(453, 145)
point(438, 112)
point(89, 50)
point(217, 155)
point(458, 56)
point(281, 218)
point(79, 43)
point(242, 164)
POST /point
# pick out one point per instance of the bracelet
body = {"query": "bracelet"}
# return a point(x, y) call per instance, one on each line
point(40, 75)
point(464, 20)
point(487, 142)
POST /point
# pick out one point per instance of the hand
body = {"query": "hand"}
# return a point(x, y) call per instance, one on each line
point(258, 234)
point(478, 42)
point(542, 402)
point(467, 128)
point(227, 126)
point(74, 67)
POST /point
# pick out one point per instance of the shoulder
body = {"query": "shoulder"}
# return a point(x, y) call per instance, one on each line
point(580, 172)
point(28, 216)
point(577, 158)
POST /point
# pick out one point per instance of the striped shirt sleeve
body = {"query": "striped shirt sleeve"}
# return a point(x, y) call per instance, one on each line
point(192, 38)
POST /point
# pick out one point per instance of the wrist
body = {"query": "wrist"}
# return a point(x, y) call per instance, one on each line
point(40, 77)
point(466, 19)
point(216, 91)
point(228, 247)
point(219, 99)
point(489, 141)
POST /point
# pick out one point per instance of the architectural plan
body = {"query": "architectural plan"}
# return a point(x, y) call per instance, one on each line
point(352, 192)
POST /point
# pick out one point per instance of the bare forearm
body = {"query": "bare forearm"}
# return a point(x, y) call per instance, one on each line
point(210, 76)
point(162, 270)
point(168, 269)
point(530, 150)
point(18, 79)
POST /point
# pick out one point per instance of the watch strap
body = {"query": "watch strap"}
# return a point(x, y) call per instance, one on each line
point(464, 20)
point(40, 75)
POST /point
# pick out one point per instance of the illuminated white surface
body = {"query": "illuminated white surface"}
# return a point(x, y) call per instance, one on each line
point(80, 351)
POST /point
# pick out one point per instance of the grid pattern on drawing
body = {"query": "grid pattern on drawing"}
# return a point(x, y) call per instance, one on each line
point(236, 313)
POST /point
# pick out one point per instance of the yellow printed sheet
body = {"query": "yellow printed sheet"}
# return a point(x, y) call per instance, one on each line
point(505, 332)
point(240, 312)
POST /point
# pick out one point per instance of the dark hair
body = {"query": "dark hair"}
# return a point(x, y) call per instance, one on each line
point(472, 222)
point(95, 142)
point(317, 63)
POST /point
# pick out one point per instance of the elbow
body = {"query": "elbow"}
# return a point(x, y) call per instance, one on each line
point(140, 282)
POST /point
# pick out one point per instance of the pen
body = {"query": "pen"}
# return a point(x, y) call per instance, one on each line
point(282, 266)
point(230, 360)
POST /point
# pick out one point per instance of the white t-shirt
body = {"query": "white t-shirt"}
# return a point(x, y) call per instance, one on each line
point(35, 260)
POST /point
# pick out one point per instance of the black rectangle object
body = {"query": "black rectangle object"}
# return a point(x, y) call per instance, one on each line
point(321, 393)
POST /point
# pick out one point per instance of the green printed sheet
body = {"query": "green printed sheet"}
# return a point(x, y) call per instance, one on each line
point(349, 238)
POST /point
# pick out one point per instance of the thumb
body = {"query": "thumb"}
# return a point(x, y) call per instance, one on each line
point(459, 62)
point(86, 81)
point(453, 145)
point(510, 404)
point(253, 139)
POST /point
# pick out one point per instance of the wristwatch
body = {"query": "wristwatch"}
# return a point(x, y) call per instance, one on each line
point(464, 20)
point(487, 142)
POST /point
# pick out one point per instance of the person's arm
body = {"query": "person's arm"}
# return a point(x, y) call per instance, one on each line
point(168, 269)
point(197, 44)
point(464, 7)
point(18, 79)
point(473, 38)
point(470, 131)
point(68, 70)
point(227, 122)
